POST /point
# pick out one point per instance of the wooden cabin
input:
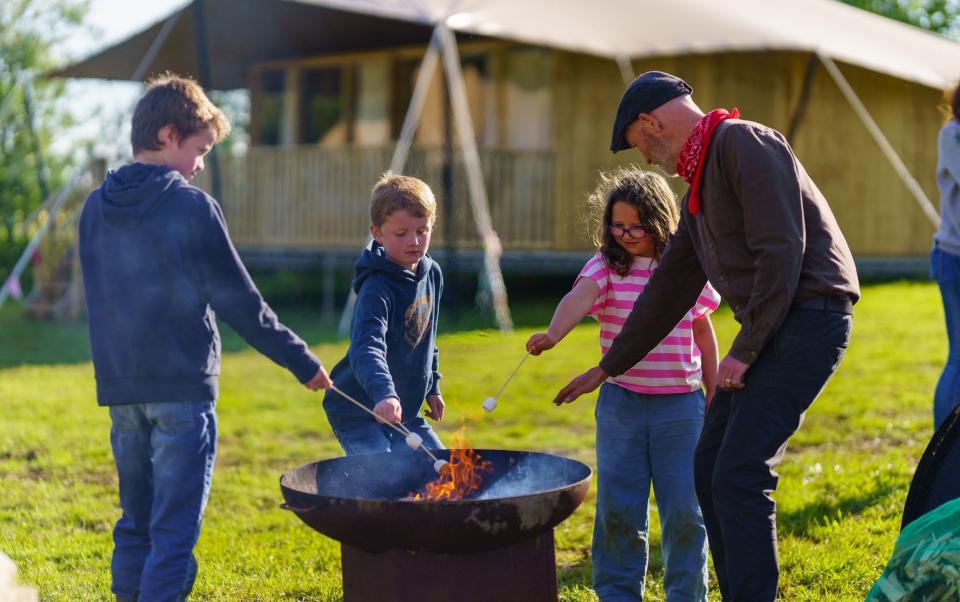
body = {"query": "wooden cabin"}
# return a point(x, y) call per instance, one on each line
point(323, 128)
point(324, 123)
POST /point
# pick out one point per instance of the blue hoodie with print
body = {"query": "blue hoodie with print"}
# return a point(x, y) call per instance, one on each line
point(393, 350)
point(158, 269)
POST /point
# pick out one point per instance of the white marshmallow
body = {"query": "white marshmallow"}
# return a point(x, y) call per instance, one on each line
point(439, 464)
point(489, 404)
point(414, 440)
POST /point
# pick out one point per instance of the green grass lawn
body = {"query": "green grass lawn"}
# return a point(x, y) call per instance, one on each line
point(842, 487)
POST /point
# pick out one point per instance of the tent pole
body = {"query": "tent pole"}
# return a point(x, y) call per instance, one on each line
point(450, 222)
point(412, 118)
point(881, 140)
point(804, 98)
point(158, 41)
point(626, 69)
point(492, 247)
point(40, 233)
point(402, 150)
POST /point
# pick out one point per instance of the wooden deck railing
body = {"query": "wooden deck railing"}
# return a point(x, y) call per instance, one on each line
point(301, 197)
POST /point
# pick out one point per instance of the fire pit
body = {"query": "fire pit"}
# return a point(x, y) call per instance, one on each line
point(496, 544)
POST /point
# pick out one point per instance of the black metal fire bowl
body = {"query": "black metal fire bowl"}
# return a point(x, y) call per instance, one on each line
point(358, 500)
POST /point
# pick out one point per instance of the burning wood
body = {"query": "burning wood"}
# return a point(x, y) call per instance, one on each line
point(463, 475)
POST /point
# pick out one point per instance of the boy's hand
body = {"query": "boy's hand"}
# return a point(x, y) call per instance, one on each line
point(388, 410)
point(436, 404)
point(320, 380)
point(539, 342)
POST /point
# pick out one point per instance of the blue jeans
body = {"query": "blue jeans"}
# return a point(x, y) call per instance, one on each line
point(164, 454)
point(644, 439)
point(372, 437)
point(945, 269)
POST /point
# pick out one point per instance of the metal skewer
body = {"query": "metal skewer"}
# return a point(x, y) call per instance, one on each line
point(399, 427)
point(490, 403)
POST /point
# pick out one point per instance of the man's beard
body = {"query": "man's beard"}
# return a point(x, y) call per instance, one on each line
point(658, 153)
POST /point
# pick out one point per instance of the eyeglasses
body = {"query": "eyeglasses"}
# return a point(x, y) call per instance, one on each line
point(635, 232)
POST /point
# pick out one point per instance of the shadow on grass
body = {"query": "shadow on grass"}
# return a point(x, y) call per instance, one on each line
point(44, 342)
point(578, 574)
point(805, 520)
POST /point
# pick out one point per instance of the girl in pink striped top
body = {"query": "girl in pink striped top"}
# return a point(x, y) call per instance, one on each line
point(649, 418)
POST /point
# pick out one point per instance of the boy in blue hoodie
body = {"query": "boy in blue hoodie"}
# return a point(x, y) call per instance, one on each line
point(158, 269)
point(392, 364)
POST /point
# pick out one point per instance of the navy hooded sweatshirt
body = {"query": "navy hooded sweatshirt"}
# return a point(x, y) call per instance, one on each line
point(158, 268)
point(393, 350)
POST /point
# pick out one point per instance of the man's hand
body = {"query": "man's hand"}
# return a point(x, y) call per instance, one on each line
point(388, 410)
point(540, 342)
point(586, 382)
point(320, 380)
point(436, 405)
point(730, 373)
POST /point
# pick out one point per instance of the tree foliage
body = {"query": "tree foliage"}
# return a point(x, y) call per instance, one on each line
point(30, 114)
point(941, 16)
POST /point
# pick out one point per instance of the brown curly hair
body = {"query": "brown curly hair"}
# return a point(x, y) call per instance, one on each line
point(654, 201)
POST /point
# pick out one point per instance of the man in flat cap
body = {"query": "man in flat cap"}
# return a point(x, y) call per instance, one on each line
point(755, 225)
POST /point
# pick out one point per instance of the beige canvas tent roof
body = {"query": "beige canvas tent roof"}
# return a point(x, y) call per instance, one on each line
point(241, 32)
point(635, 28)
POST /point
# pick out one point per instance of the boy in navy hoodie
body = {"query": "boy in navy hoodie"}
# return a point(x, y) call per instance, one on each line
point(158, 269)
point(392, 364)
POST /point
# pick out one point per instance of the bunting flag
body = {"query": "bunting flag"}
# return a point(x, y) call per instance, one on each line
point(12, 286)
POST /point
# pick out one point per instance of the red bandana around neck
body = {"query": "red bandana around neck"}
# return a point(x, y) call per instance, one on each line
point(690, 161)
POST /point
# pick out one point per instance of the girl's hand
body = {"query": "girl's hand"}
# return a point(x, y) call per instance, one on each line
point(540, 342)
point(388, 410)
point(436, 404)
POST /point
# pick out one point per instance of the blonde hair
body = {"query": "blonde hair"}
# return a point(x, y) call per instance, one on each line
point(646, 191)
point(177, 101)
point(393, 192)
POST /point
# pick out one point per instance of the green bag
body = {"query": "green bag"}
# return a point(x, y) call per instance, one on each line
point(925, 565)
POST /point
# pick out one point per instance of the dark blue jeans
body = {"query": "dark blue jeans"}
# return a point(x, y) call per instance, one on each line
point(164, 454)
point(945, 269)
point(744, 438)
point(372, 437)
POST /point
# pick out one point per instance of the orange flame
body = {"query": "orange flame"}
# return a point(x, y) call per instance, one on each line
point(463, 475)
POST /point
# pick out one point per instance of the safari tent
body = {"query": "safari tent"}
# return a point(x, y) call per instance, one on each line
point(330, 82)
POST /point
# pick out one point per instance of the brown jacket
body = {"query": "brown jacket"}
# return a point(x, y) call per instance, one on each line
point(765, 237)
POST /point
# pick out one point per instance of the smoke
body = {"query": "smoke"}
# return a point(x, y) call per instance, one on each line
point(528, 474)
point(394, 476)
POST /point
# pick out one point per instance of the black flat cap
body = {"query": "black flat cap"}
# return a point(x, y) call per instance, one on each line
point(643, 95)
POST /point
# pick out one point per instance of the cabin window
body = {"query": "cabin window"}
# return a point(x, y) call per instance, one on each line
point(324, 118)
point(372, 97)
point(529, 73)
point(430, 129)
point(481, 98)
point(270, 107)
point(364, 101)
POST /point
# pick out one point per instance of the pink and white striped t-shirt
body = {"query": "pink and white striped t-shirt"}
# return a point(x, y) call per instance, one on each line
point(674, 365)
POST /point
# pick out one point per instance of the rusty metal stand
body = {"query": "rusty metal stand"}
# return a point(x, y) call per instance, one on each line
point(524, 572)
